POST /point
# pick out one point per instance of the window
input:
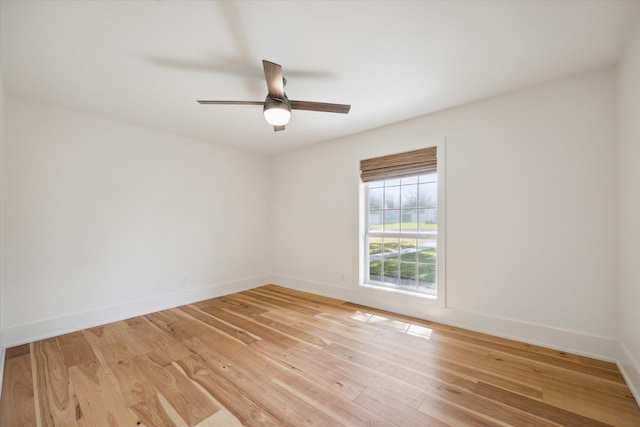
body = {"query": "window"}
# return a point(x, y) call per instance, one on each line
point(401, 222)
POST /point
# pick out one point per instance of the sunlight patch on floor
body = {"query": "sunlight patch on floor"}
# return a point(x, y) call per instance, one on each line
point(405, 327)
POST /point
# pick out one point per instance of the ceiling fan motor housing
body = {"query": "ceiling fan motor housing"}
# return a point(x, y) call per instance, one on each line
point(277, 112)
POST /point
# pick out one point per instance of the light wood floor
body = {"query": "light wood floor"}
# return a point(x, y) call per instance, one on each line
point(273, 356)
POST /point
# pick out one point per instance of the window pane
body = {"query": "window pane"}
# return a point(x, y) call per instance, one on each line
point(375, 258)
point(375, 270)
point(428, 219)
point(409, 220)
point(392, 220)
point(408, 273)
point(375, 247)
point(390, 182)
point(375, 198)
point(427, 276)
point(408, 249)
point(392, 197)
point(375, 220)
point(390, 247)
point(426, 251)
point(375, 184)
point(428, 195)
point(390, 271)
point(409, 196)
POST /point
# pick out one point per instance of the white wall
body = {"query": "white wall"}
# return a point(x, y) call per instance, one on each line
point(102, 219)
point(531, 208)
point(629, 211)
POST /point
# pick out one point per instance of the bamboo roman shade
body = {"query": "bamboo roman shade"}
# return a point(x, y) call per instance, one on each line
point(399, 165)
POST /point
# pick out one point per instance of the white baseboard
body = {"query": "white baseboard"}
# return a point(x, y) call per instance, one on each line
point(46, 328)
point(2, 359)
point(630, 369)
point(563, 340)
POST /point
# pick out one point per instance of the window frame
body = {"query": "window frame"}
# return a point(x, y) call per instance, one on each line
point(363, 256)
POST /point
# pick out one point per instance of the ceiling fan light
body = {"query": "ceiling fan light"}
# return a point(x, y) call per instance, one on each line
point(277, 113)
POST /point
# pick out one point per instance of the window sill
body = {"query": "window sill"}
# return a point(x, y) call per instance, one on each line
point(398, 291)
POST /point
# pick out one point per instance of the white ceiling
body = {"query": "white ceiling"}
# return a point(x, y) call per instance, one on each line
point(147, 62)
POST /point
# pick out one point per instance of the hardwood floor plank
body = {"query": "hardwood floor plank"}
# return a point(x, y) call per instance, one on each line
point(221, 418)
point(559, 362)
point(535, 407)
point(136, 339)
point(232, 302)
point(448, 358)
point(75, 348)
point(594, 393)
point(321, 373)
point(281, 326)
point(276, 313)
point(102, 335)
point(227, 392)
point(422, 380)
point(273, 356)
point(549, 377)
point(453, 415)
point(17, 351)
point(168, 347)
point(171, 411)
point(343, 411)
point(58, 405)
point(262, 296)
point(233, 332)
point(591, 404)
point(138, 327)
point(132, 384)
point(392, 387)
point(496, 411)
point(170, 326)
point(113, 353)
point(203, 405)
point(100, 403)
point(513, 385)
point(310, 306)
point(395, 410)
point(391, 345)
point(252, 327)
point(290, 409)
point(192, 405)
point(599, 363)
point(231, 353)
point(19, 408)
point(151, 413)
point(361, 334)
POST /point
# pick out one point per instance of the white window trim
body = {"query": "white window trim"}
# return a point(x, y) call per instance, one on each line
point(362, 286)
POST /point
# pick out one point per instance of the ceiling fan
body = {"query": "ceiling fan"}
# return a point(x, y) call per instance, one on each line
point(276, 106)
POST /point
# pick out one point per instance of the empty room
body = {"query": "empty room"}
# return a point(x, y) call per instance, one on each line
point(350, 213)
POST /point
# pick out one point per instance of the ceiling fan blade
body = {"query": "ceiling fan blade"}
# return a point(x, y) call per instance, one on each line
point(320, 106)
point(273, 74)
point(232, 102)
point(278, 128)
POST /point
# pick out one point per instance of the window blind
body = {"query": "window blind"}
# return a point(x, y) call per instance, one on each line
point(399, 165)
